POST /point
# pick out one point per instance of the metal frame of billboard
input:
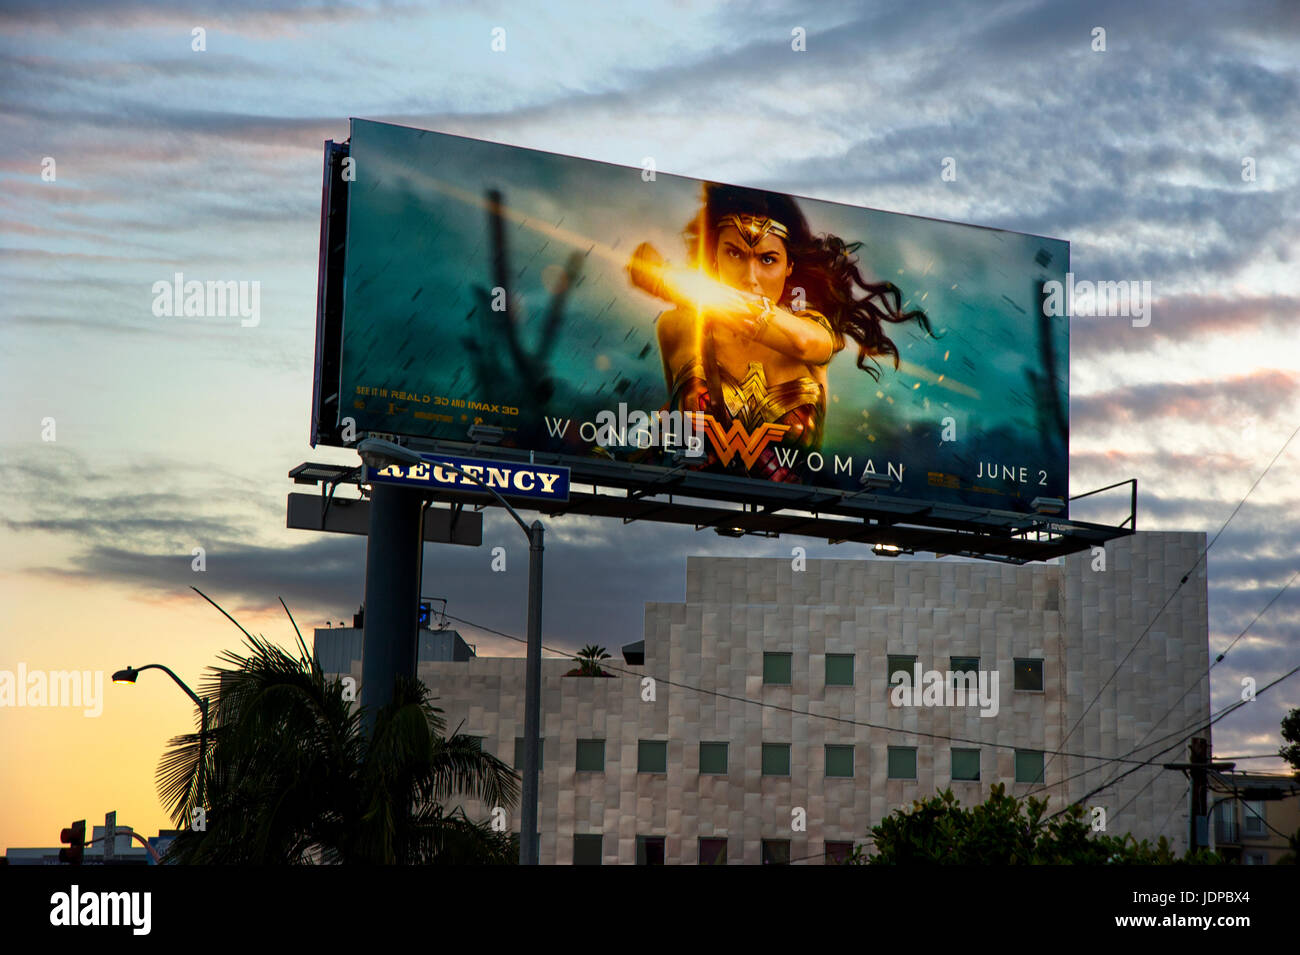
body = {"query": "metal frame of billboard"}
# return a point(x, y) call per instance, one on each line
point(732, 506)
point(329, 300)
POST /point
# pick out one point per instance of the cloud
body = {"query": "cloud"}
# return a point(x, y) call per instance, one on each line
point(278, 16)
point(1260, 392)
point(1207, 318)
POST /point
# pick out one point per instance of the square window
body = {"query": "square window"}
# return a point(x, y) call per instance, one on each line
point(1029, 766)
point(776, 852)
point(591, 756)
point(839, 669)
point(776, 669)
point(902, 762)
point(1029, 674)
point(966, 764)
point(1252, 818)
point(519, 752)
point(649, 850)
point(713, 852)
point(837, 853)
point(713, 758)
point(839, 760)
point(960, 665)
point(896, 662)
point(776, 759)
point(587, 849)
point(652, 756)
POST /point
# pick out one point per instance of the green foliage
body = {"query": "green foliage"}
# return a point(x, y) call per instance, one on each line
point(1003, 830)
point(588, 660)
point(1291, 733)
point(291, 777)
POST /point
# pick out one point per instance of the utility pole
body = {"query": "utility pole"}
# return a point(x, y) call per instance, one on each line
point(1199, 759)
point(1197, 770)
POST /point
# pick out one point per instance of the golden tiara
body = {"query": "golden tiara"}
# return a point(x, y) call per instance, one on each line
point(753, 228)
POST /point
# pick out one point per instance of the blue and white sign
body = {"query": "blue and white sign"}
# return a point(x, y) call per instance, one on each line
point(470, 475)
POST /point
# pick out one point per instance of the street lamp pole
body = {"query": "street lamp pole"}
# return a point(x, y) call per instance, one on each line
point(128, 677)
point(529, 851)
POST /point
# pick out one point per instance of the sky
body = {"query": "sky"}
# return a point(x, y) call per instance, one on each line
point(128, 439)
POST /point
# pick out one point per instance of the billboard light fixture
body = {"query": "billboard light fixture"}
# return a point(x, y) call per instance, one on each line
point(890, 550)
point(486, 434)
point(876, 482)
point(729, 531)
point(1047, 505)
point(379, 454)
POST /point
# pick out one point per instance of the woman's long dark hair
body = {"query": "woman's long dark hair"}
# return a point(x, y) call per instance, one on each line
point(825, 267)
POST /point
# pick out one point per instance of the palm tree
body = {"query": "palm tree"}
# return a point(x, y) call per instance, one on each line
point(588, 660)
point(291, 778)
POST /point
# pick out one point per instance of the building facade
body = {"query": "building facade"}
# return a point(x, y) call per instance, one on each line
point(1255, 814)
point(759, 723)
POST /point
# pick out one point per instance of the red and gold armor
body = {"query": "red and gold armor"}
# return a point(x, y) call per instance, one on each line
point(798, 404)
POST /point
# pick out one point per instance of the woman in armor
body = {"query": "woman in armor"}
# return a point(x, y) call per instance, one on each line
point(756, 319)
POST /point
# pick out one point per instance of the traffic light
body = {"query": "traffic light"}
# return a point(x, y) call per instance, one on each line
point(76, 837)
point(426, 615)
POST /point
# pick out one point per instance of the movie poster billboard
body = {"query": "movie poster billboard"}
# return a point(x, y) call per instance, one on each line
point(606, 312)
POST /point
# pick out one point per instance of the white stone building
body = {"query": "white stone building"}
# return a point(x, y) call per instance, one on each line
point(727, 760)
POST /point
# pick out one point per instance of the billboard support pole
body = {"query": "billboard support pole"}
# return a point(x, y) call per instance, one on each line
point(393, 549)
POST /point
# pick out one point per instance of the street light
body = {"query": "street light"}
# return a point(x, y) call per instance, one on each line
point(127, 678)
point(378, 453)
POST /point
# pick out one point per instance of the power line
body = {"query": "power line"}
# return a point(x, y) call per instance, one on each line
point(1195, 683)
point(1178, 802)
point(1182, 733)
point(1219, 658)
point(792, 710)
point(1105, 760)
point(1237, 759)
point(1246, 804)
point(1174, 592)
point(1226, 711)
point(1135, 796)
point(1236, 798)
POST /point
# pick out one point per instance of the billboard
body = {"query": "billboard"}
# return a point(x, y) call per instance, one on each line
point(605, 312)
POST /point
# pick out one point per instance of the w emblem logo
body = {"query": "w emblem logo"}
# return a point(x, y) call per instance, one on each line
point(736, 440)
